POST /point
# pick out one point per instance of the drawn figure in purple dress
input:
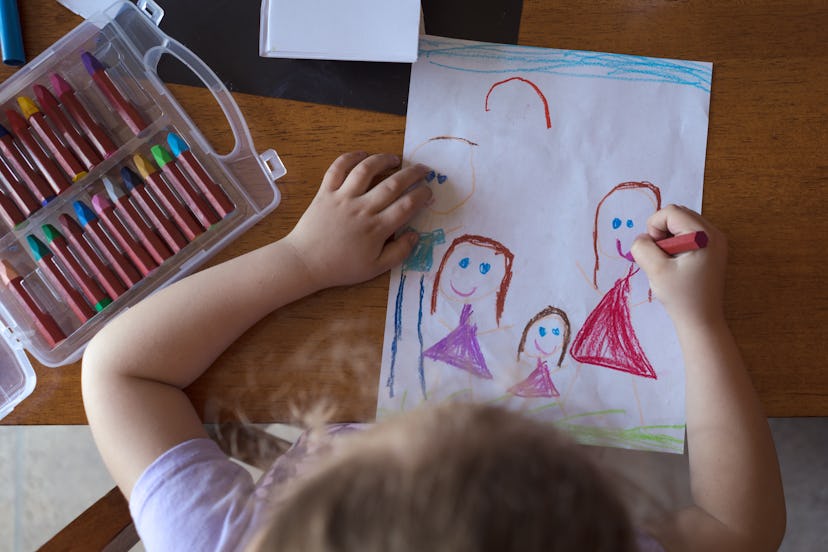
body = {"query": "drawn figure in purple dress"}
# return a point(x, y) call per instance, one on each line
point(545, 337)
point(452, 183)
point(473, 268)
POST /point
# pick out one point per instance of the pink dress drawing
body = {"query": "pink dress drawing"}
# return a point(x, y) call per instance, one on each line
point(537, 384)
point(460, 348)
point(608, 338)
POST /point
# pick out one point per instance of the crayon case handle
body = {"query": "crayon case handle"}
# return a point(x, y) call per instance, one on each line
point(151, 10)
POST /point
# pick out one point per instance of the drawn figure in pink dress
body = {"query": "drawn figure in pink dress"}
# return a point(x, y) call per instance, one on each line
point(607, 337)
point(473, 268)
point(545, 336)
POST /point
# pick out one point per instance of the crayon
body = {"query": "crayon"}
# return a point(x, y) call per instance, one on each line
point(43, 321)
point(92, 226)
point(9, 212)
point(93, 131)
point(37, 120)
point(134, 250)
point(179, 214)
point(125, 109)
point(73, 232)
point(172, 235)
point(11, 37)
point(212, 191)
point(90, 288)
point(21, 195)
point(85, 152)
point(140, 229)
point(205, 215)
point(43, 162)
point(44, 259)
point(683, 242)
point(34, 181)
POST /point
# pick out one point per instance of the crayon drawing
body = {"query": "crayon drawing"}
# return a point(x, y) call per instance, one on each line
point(523, 290)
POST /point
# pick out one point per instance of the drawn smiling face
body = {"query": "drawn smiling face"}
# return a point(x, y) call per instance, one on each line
point(544, 338)
point(471, 273)
point(622, 217)
point(452, 181)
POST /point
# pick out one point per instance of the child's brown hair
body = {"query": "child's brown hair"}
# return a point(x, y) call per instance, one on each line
point(458, 477)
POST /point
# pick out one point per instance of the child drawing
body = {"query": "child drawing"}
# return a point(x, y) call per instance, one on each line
point(607, 337)
point(548, 119)
point(452, 183)
point(473, 268)
point(547, 334)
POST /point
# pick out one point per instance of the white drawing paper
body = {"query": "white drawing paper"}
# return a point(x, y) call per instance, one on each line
point(522, 291)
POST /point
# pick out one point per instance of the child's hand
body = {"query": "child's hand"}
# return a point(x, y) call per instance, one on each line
point(690, 285)
point(343, 237)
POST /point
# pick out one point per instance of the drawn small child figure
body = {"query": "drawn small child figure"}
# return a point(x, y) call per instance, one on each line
point(547, 334)
point(452, 183)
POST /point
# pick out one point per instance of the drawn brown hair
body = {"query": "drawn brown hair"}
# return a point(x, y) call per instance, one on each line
point(498, 248)
point(623, 186)
point(548, 311)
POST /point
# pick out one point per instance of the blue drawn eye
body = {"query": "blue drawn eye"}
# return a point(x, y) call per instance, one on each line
point(616, 223)
point(430, 176)
point(441, 178)
point(485, 267)
point(542, 331)
point(556, 331)
point(464, 262)
point(629, 223)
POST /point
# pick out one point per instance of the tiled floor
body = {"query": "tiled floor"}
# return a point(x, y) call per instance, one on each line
point(48, 475)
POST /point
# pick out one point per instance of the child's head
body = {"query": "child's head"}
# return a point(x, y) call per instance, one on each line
point(457, 477)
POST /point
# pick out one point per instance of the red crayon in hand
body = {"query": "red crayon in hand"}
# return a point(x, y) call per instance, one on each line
point(92, 130)
point(22, 197)
point(43, 321)
point(683, 242)
point(125, 109)
point(110, 282)
point(85, 152)
point(212, 191)
point(35, 183)
point(120, 264)
point(43, 258)
point(148, 238)
point(195, 202)
point(134, 250)
point(44, 163)
point(65, 158)
point(179, 214)
point(172, 235)
point(88, 286)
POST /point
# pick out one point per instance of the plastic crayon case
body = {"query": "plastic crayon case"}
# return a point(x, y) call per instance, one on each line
point(108, 190)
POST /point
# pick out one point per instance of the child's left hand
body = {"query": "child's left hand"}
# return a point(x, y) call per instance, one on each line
point(347, 234)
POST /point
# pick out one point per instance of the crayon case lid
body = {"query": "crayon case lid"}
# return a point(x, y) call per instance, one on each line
point(17, 378)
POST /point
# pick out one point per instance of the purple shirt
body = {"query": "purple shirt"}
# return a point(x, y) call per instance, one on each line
point(193, 497)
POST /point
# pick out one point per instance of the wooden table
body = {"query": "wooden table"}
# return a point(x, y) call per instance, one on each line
point(766, 185)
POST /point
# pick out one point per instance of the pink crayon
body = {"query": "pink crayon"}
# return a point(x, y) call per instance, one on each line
point(85, 152)
point(134, 250)
point(683, 242)
point(92, 130)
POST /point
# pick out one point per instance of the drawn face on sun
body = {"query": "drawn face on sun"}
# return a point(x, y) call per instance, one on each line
point(623, 216)
point(545, 337)
point(452, 180)
point(472, 272)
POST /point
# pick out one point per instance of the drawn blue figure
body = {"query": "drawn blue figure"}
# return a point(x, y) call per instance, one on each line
point(452, 183)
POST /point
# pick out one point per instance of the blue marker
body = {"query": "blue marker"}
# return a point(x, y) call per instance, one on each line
point(11, 38)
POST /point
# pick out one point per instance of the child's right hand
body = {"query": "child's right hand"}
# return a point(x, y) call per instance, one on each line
point(689, 285)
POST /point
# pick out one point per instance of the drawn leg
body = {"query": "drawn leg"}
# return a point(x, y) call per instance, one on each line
point(389, 383)
point(420, 368)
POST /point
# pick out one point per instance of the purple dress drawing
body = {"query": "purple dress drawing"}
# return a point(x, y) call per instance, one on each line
point(460, 348)
point(537, 384)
